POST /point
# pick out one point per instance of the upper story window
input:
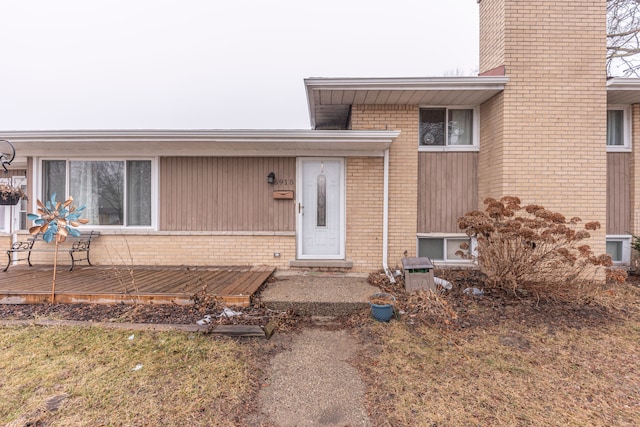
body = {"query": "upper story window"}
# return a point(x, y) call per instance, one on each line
point(443, 129)
point(116, 192)
point(618, 128)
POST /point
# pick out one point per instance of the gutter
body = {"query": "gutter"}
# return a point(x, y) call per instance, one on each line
point(385, 219)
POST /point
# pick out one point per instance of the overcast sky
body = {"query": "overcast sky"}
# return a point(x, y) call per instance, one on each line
point(209, 64)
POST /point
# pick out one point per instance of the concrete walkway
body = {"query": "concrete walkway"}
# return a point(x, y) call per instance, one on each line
point(312, 383)
point(318, 294)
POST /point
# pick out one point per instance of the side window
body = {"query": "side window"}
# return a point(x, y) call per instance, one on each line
point(618, 128)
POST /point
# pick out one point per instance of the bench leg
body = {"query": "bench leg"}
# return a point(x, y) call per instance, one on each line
point(73, 261)
point(29, 259)
point(9, 263)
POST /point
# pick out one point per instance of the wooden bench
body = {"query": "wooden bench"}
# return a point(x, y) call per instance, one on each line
point(79, 246)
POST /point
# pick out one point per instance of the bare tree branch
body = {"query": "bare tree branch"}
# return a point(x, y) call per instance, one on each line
point(623, 42)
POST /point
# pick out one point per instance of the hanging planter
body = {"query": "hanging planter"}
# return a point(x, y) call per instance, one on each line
point(8, 199)
point(382, 306)
point(10, 196)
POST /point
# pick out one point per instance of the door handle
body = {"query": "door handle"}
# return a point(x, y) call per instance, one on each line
point(300, 208)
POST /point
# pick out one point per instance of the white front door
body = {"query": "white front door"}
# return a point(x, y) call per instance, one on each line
point(320, 208)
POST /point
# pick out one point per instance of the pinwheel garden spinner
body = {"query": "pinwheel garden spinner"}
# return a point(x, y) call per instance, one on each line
point(57, 220)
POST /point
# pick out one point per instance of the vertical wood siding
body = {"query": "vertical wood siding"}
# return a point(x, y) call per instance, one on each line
point(618, 193)
point(225, 194)
point(14, 172)
point(447, 189)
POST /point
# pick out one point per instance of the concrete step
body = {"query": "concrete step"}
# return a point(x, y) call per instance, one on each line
point(318, 294)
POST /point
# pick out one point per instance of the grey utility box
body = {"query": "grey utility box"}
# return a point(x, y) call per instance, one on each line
point(418, 274)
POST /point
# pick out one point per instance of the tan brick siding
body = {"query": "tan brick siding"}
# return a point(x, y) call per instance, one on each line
point(365, 181)
point(491, 156)
point(5, 243)
point(181, 249)
point(491, 34)
point(554, 150)
point(403, 171)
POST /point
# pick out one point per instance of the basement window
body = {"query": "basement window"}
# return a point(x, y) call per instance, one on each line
point(619, 248)
point(440, 248)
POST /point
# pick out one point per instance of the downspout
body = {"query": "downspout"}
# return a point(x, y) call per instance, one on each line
point(385, 219)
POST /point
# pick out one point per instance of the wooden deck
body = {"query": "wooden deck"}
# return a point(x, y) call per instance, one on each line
point(123, 284)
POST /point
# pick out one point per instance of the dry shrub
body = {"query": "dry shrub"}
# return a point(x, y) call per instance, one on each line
point(530, 249)
point(430, 303)
point(431, 307)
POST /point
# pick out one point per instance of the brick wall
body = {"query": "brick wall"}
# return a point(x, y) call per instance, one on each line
point(491, 156)
point(554, 124)
point(365, 186)
point(403, 172)
point(491, 34)
point(182, 249)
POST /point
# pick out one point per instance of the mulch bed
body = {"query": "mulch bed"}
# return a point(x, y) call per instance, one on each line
point(456, 309)
point(148, 313)
point(451, 309)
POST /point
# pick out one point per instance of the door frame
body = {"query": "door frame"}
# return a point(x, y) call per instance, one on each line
point(342, 207)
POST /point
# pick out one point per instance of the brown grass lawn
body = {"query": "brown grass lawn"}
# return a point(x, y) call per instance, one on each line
point(510, 366)
point(89, 375)
point(450, 361)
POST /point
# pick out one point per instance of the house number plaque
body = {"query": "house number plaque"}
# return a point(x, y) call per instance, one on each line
point(285, 181)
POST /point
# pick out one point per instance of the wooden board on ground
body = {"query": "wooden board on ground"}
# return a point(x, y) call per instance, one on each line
point(239, 330)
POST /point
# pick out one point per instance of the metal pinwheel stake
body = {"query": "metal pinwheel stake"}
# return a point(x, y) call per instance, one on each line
point(57, 220)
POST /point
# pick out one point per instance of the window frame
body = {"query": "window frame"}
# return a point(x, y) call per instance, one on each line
point(6, 217)
point(473, 243)
point(475, 146)
point(625, 239)
point(626, 126)
point(154, 188)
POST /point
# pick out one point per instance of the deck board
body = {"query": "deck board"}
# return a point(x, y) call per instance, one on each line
point(156, 285)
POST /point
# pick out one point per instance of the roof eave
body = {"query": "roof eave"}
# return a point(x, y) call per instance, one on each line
point(491, 84)
point(263, 143)
point(623, 90)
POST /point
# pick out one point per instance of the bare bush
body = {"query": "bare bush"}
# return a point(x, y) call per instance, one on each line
point(530, 249)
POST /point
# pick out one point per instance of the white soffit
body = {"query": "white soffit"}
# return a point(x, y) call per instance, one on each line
point(330, 99)
point(261, 143)
point(621, 90)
